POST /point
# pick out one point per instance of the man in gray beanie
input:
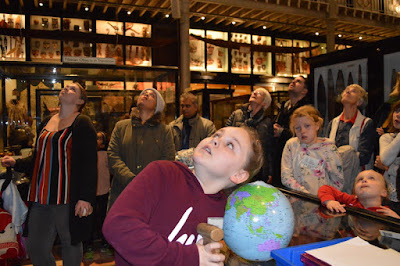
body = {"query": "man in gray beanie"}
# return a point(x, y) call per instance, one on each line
point(139, 140)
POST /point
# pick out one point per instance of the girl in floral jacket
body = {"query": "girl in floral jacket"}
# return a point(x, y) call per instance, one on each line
point(308, 161)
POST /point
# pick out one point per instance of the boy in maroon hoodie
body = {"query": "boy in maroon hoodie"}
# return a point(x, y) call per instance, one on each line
point(154, 220)
point(369, 191)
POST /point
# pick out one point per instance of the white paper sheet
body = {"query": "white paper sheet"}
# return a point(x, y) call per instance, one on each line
point(356, 251)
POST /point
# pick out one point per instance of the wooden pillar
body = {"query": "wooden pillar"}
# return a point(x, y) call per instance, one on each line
point(330, 35)
point(184, 24)
point(331, 25)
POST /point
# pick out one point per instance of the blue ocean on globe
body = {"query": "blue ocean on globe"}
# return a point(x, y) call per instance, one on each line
point(258, 219)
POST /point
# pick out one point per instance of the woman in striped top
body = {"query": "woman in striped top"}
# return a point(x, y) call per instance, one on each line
point(63, 168)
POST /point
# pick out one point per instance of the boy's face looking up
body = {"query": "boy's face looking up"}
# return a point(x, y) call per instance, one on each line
point(369, 184)
point(224, 154)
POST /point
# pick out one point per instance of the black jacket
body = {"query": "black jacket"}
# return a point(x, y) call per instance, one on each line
point(83, 173)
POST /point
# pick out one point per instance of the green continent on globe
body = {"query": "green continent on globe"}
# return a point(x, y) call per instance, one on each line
point(251, 199)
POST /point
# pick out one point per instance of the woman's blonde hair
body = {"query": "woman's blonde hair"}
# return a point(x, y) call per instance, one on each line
point(306, 111)
point(363, 100)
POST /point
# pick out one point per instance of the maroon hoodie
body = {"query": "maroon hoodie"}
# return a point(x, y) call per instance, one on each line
point(154, 220)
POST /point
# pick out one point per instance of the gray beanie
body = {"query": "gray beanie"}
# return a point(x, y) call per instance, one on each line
point(160, 101)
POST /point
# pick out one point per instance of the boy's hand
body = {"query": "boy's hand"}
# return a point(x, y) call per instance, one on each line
point(7, 161)
point(388, 212)
point(207, 255)
point(334, 206)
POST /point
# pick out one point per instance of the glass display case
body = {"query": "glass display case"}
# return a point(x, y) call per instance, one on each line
point(45, 50)
point(320, 50)
point(262, 61)
point(137, 30)
point(77, 25)
point(74, 48)
point(108, 50)
point(196, 49)
point(217, 57)
point(12, 21)
point(12, 48)
point(241, 57)
point(138, 55)
point(109, 27)
point(283, 61)
point(45, 23)
point(300, 65)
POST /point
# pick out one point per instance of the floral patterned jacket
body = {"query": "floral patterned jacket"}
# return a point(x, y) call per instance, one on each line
point(306, 168)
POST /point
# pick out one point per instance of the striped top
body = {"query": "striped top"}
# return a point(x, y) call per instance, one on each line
point(52, 171)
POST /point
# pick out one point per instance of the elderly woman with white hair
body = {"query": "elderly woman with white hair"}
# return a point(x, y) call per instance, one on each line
point(352, 128)
point(253, 114)
point(137, 141)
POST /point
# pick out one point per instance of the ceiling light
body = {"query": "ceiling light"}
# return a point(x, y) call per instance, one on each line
point(167, 15)
point(54, 70)
point(264, 27)
point(317, 33)
point(340, 35)
point(203, 18)
point(86, 8)
point(128, 12)
point(40, 4)
point(233, 22)
point(360, 37)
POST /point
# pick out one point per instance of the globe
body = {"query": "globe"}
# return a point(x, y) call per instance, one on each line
point(258, 219)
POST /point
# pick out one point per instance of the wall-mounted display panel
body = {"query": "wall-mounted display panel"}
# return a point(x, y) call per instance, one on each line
point(77, 25)
point(45, 50)
point(137, 30)
point(73, 48)
point(12, 21)
point(300, 65)
point(109, 27)
point(241, 57)
point(12, 48)
point(107, 50)
point(283, 63)
point(196, 49)
point(262, 61)
point(217, 57)
point(138, 55)
point(45, 23)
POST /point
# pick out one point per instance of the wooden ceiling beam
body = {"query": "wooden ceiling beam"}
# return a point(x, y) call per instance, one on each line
point(92, 6)
point(78, 7)
point(155, 13)
point(65, 3)
point(202, 7)
point(236, 11)
point(50, 3)
point(258, 5)
point(213, 9)
point(7, 2)
point(21, 3)
point(165, 4)
point(36, 3)
point(118, 10)
point(142, 12)
point(105, 9)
